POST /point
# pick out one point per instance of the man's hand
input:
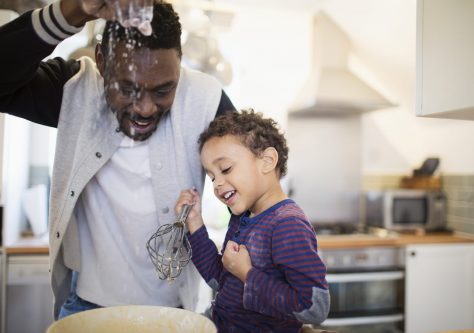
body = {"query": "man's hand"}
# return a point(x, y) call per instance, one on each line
point(100, 8)
point(236, 260)
point(74, 13)
point(130, 13)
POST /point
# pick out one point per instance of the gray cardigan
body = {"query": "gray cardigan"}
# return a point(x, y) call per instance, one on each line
point(87, 138)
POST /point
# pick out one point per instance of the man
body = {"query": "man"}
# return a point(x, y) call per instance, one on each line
point(126, 147)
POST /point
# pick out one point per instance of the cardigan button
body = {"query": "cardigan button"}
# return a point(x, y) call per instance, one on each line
point(58, 234)
point(72, 193)
point(98, 155)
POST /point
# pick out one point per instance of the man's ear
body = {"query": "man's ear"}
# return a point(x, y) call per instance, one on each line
point(270, 159)
point(100, 59)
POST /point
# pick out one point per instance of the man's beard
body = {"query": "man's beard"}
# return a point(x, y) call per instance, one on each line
point(125, 117)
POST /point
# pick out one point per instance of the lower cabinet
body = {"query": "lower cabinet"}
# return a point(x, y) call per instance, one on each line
point(28, 299)
point(439, 287)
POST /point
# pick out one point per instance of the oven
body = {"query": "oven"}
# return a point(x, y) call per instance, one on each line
point(367, 289)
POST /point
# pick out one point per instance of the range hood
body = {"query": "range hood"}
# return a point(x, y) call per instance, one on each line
point(332, 89)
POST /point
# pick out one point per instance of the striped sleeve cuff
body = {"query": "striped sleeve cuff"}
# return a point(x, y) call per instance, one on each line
point(50, 24)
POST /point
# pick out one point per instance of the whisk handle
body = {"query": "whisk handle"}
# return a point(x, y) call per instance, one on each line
point(184, 213)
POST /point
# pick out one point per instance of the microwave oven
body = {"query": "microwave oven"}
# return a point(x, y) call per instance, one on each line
point(405, 209)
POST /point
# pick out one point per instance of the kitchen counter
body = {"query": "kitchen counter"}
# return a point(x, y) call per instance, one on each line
point(29, 245)
point(33, 245)
point(363, 240)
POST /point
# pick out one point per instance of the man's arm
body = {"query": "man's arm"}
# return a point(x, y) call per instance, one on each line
point(30, 88)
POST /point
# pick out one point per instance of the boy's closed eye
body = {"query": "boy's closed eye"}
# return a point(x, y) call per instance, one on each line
point(226, 170)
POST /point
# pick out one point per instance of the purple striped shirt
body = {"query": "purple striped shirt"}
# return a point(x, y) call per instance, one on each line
point(286, 267)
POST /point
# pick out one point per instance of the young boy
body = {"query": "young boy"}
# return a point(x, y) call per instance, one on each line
point(269, 277)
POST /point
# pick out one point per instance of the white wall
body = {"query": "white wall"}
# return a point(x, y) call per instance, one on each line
point(270, 51)
point(395, 140)
point(324, 167)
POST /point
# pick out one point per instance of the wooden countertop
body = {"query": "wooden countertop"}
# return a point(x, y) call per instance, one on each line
point(355, 241)
point(37, 246)
point(30, 245)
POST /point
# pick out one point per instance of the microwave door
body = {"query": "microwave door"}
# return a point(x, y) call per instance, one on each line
point(409, 212)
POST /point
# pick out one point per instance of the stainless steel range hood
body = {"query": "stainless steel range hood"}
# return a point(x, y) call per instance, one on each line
point(332, 89)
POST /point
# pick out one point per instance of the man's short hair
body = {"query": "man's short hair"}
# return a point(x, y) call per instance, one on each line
point(165, 26)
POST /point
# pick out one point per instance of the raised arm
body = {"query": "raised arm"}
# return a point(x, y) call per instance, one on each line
point(29, 87)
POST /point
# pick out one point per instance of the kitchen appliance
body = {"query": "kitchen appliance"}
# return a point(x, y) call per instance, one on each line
point(367, 289)
point(405, 209)
point(333, 89)
point(169, 248)
point(134, 319)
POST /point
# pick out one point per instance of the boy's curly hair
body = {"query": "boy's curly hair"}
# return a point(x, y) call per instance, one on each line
point(254, 131)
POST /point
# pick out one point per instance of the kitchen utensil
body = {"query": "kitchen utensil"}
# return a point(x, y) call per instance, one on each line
point(169, 248)
point(428, 167)
point(134, 319)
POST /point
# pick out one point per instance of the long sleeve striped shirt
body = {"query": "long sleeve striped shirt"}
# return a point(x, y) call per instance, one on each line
point(286, 285)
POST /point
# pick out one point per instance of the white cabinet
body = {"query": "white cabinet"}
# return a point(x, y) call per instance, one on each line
point(27, 301)
point(445, 59)
point(439, 288)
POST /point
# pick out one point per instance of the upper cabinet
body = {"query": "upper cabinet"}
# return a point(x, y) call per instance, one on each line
point(445, 59)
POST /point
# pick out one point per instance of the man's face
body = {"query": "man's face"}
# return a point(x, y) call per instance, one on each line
point(140, 86)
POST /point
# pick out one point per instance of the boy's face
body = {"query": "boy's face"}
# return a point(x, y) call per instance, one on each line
point(236, 174)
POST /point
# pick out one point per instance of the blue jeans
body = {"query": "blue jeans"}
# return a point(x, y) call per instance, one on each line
point(74, 303)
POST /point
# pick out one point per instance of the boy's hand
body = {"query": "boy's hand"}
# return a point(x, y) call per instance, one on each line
point(236, 260)
point(191, 197)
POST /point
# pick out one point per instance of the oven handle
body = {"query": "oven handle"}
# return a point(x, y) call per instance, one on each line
point(362, 320)
point(362, 277)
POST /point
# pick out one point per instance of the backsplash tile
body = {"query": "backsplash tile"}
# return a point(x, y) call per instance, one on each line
point(459, 191)
point(380, 182)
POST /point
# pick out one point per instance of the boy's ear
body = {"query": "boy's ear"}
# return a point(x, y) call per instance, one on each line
point(270, 159)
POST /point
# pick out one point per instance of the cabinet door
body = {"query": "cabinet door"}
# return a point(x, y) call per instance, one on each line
point(29, 299)
point(445, 59)
point(439, 290)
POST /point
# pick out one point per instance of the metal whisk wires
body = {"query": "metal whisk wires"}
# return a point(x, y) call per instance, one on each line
point(169, 248)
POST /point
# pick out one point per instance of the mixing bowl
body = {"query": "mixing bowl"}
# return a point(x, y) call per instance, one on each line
point(134, 319)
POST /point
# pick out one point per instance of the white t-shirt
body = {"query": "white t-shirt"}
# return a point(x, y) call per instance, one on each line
point(118, 215)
